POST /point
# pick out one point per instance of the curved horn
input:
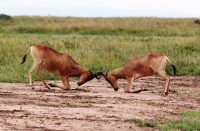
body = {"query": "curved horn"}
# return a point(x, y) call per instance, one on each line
point(98, 74)
point(98, 77)
point(103, 71)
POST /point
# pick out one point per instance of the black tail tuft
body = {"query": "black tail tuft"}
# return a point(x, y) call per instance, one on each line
point(174, 69)
point(24, 59)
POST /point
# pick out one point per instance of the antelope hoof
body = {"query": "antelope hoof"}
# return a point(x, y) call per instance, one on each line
point(48, 87)
point(51, 90)
point(127, 91)
point(166, 93)
point(31, 85)
point(116, 89)
point(66, 89)
point(79, 84)
point(52, 84)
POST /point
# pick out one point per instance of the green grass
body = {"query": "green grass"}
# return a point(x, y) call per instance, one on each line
point(189, 121)
point(96, 42)
point(194, 94)
point(101, 26)
point(142, 123)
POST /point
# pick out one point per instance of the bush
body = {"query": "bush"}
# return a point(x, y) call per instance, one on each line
point(5, 17)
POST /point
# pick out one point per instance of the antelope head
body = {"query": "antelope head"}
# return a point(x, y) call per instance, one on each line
point(89, 76)
point(110, 79)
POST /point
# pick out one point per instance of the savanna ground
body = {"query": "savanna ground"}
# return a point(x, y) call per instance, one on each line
point(93, 106)
point(95, 43)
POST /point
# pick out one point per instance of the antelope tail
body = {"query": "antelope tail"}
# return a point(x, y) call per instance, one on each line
point(24, 57)
point(174, 68)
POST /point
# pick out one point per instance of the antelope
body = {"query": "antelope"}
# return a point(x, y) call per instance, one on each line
point(197, 21)
point(141, 66)
point(62, 64)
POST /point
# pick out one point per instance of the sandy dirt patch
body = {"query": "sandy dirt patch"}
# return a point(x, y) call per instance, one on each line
point(94, 106)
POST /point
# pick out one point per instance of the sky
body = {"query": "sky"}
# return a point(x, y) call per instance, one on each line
point(102, 8)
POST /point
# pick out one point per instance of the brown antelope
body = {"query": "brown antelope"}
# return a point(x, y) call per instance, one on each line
point(136, 67)
point(58, 63)
point(197, 21)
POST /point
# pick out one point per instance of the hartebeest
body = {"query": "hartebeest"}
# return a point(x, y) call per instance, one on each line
point(58, 63)
point(136, 67)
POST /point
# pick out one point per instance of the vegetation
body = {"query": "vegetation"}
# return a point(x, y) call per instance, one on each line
point(102, 26)
point(96, 42)
point(142, 123)
point(189, 121)
point(4, 17)
point(194, 94)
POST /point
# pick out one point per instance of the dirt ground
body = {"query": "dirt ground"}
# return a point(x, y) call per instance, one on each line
point(94, 106)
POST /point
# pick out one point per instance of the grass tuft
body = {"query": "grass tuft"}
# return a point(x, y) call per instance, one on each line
point(189, 121)
point(142, 123)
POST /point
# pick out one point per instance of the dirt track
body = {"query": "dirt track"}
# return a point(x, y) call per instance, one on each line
point(93, 106)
